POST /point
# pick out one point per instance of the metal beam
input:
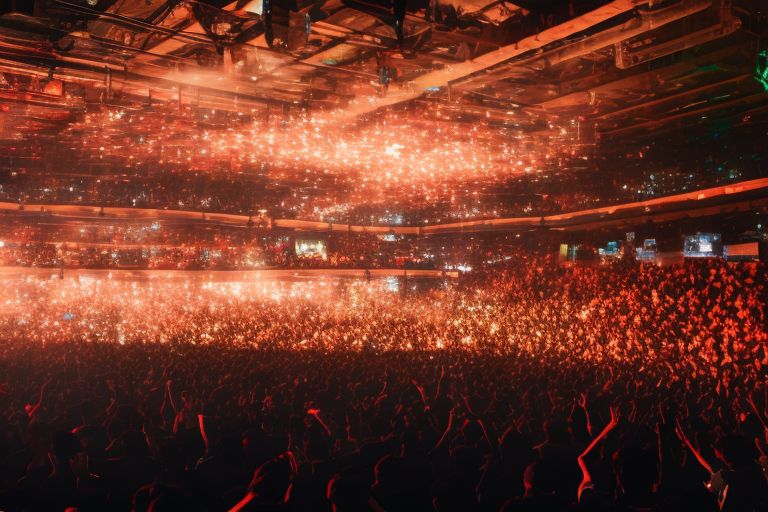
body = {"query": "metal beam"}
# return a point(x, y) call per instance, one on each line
point(441, 78)
point(633, 28)
point(671, 97)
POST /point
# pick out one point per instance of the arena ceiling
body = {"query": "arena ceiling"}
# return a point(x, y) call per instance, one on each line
point(415, 97)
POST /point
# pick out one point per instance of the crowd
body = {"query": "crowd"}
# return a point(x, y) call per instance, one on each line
point(553, 191)
point(526, 386)
point(189, 247)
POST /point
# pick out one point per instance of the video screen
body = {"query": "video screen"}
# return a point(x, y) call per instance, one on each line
point(611, 249)
point(310, 249)
point(703, 245)
point(646, 252)
point(749, 251)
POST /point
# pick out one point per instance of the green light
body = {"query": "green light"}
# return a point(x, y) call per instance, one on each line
point(708, 68)
point(761, 71)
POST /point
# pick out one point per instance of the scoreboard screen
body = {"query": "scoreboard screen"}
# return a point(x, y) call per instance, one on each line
point(703, 245)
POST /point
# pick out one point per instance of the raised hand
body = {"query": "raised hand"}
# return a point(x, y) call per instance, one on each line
point(681, 434)
point(586, 480)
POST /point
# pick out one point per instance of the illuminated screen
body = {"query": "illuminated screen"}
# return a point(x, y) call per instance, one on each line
point(703, 245)
point(310, 248)
point(643, 255)
point(612, 249)
point(647, 252)
point(749, 251)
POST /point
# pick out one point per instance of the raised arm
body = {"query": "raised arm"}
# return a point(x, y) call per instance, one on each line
point(681, 434)
point(203, 434)
point(583, 405)
point(440, 381)
point(315, 413)
point(752, 404)
point(420, 389)
point(586, 480)
point(169, 394)
point(447, 431)
point(33, 410)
